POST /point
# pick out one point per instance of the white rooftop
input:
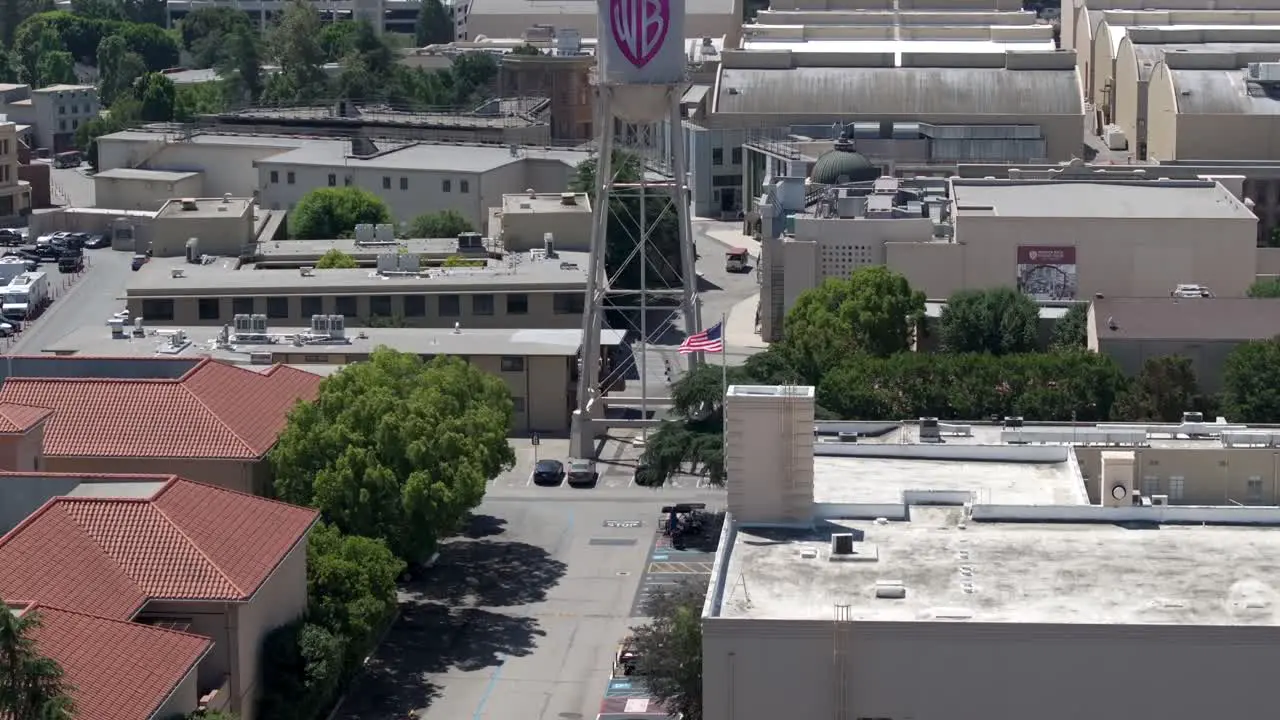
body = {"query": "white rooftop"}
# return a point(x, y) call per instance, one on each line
point(422, 156)
point(897, 47)
point(878, 480)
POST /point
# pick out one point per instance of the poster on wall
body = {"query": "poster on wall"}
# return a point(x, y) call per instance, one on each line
point(1047, 273)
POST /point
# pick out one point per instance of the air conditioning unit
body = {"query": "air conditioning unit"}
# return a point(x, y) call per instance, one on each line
point(320, 325)
point(842, 544)
point(259, 324)
point(929, 431)
point(337, 327)
point(242, 324)
point(1159, 500)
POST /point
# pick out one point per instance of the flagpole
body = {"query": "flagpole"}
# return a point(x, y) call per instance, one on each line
point(724, 389)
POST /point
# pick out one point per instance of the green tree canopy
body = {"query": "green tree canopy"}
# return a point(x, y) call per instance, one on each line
point(526, 49)
point(240, 66)
point(1265, 288)
point(443, 224)
point(302, 671)
point(81, 37)
point(335, 259)
point(1164, 389)
point(351, 583)
point(31, 685)
point(1251, 382)
point(328, 213)
point(205, 30)
point(434, 24)
point(296, 46)
point(1071, 332)
point(396, 448)
point(118, 68)
point(1000, 321)
point(669, 648)
point(157, 96)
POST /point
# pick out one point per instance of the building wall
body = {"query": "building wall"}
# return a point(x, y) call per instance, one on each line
point(184, 699)
point(524, 230)
point(281, 600)
point(23, 453)
point(1203, 474)
point(566, 82)
point(1207, 357)
point(1078, 35)
point(227, 168)
point(214, 620)
point(15, 196)
point(769, 463)
point(762, 669)
point(543, 309)
point(130, 194)
point(58, 114)
point(231, 474)
point(1104, 71)
point(1176, 136)
point(696, 24)
point(38, 177)
point(226, 236)
point(1130, 99)
point(1122, 257)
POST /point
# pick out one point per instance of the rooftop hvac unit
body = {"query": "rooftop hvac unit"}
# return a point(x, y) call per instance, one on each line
point(470, 241)
point(306, 271)
point(117, 327)
point(1264, 72)
point(177, 273)
point(258, 323)
point(384, 232)
point(178, 338)
point(259, 358)
point(189, 204)
point(1192, 417)
point(410, 262)
point(242, 324)
point(1159, 500)
point(388, 262)
point(1013, 421)
point(929, 431)
point(364, 233)
point(320, 325)
point(337, 327)
point(842, 544)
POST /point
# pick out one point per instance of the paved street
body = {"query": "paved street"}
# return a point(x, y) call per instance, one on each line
point(521, 616)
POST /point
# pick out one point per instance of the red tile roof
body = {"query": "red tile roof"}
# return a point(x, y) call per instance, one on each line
point(118, 670)
point(16, 418)
point(216, 410)
point(109, 556)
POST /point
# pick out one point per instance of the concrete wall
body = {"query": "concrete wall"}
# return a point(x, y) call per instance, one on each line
point(1201, 474)
point(524, 230)
point(769, 453)
point(1207, 357)
point(231, 474)
point(135, 194)
point(23, 453)
point(1176, 136)
point(227, 236)
point(185, 310)
point(1122, 257)
point(214, 620)
point(184, 699)
point(762, 669)
point(227, 168)
point(280, 600)
point(1129, 98)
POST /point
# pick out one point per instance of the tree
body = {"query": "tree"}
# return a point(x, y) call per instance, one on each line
point(1000, 321)
point(434, 25)
point(366, 63)
point(397, 448)
point(31, 685)
point(473, 74)
point(1265, 288)
point(157, 96)
point(302, 670)
point(98, 9)
point(192, 99)
point(443, 224)
point(526, 49)
point(1251, 382)
point(351, 583)
point(1164, 389)
point(327, 213)
point(693, 441)
point(1071, 332)
point(336, 259)
point(56, 68)
point(295, 42)
point(118, 68)
point(240, 66)
point(669, 649)
point(205, 30)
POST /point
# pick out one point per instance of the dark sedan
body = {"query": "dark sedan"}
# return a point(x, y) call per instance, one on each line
point(548, 472)
point(97, 241)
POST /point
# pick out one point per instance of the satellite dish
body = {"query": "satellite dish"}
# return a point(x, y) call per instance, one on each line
point(1119, 492)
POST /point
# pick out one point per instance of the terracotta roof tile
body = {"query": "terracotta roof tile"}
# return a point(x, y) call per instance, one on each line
point(109, 556)
point(119, 670)
point(215, 411)
point(16, 418)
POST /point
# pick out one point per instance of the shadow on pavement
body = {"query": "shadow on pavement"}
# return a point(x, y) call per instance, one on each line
point(483, 526)
point(485, 573)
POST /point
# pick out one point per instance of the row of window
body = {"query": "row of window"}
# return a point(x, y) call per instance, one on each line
point(1176, 487)
point(278, 308)
point(291, 178)
point(717, 156)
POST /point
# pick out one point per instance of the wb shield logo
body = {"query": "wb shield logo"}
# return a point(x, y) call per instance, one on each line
point(639, 28)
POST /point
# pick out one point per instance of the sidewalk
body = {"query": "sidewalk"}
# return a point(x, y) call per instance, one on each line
point(740, 327)
point(733, 238)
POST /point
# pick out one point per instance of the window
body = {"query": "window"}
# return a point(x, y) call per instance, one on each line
point(735, 156)
point(290, 178)
point(346, 181)
point(157, 309)
point(312, 306)
point(1150, 485)
point(277, 308)
point(386, 182)
point(380, 306)
point(275, 177)
point(450, 306)
point(1176, 486)
point(209, 309)
point(415, 305)
point(62, 124)
point(717, 156)
point(242, 306)
point(482, 304)
point(404, 183)
point(517, 404)
point(333, 180)
point(511, 363)
point(446, 186)
point(464, 186)
point(518, 304)
point(1255, 489)
point(568, 304)
point(62, 109)
point(315, 358)
point(345, 305)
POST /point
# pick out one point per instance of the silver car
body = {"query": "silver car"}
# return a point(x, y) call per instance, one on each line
point(581, 472)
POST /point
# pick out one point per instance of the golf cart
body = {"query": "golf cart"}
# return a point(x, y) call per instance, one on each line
point(624, 663)
point(684, 521)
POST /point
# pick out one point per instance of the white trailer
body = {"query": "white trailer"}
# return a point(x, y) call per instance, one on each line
point(10, 268)
point(26, 295)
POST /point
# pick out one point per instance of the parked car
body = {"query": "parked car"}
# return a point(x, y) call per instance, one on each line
point(71, 261)
point(11, 238)
point(97, 241)
point(139, 260)
point(582, 472)
point(548, 472)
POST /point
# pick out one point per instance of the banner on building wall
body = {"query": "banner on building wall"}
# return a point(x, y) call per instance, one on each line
point(1048, 273)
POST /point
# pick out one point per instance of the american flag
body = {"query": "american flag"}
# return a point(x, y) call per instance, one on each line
point(710, 340)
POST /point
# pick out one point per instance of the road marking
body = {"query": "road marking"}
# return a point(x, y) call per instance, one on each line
point(660, 557)
point(679, 568)
point(530, 481)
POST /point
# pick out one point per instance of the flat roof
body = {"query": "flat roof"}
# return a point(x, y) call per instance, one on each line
point(1175, 199)
point(1221, 92)
point(1007, 572)
point(933, 309)
point(65, 88)
point(97, 341)
point(580, 7)
point(876, 481)
point(544, 202)
point(298, 250)
point(221, 278)
point(1187, 318)
point(159, 135)
point(423, 156)
point(140, 174)
point(897, 47)
point(205, 208)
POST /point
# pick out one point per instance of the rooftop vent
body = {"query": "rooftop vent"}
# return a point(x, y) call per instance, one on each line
point(1191, 416)
point(533, 194)
point(568, 199)
point(1112, 324)
point(189, 204)
point(457, 328)
point(306, 271)
point(929, 431)
point(890, 590)
point(842, 544)
point(526, 206)
point(226, 198)
point(177, 273)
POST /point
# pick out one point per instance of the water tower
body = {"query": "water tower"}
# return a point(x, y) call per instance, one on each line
point(641, 75)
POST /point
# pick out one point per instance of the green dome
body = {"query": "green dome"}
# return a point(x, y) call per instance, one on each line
point(842, 164)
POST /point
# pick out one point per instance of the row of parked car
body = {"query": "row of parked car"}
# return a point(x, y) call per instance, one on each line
point(577, 472)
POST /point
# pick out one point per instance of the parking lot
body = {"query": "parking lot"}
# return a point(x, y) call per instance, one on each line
point(615, 468)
